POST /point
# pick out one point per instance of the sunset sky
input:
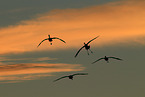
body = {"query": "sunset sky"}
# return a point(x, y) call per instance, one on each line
point(28, 71)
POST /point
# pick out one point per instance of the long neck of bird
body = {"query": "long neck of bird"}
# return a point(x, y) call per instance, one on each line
point(49, 36)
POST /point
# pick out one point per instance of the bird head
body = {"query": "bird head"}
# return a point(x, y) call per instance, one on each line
point(48, 35)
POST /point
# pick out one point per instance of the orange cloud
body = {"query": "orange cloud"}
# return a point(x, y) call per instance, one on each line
point(118, 22)
point(32, 59)
point(31, 71)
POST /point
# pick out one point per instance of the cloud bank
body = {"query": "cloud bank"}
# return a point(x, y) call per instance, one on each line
point(118, 22)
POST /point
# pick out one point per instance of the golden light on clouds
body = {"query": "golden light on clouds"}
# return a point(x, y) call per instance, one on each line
point(31, 71)
point(115, 22)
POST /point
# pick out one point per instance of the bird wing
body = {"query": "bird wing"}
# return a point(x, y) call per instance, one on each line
point(42, 41)
point(79, 51)
point(92, 39)
point(97, 60)
point(115, 58)
point(59, 39)
point(60, 78)
point(80, 74)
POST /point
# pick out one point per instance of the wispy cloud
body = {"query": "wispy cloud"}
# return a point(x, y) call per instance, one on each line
point(27, 59)
point(119, 22)
point(31, 71)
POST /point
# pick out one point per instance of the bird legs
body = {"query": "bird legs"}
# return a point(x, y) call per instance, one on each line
point(88, 51)
point(107, 61)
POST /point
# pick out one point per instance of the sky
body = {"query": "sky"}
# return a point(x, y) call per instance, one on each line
point(28, 71)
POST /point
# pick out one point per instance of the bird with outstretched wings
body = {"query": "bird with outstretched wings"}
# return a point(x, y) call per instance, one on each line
point(106, 59)
point(50, 40)
point(85, 45)
point(70, 76)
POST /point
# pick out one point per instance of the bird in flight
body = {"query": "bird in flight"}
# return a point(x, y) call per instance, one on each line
point(86, 46)
point(70, 76)
point(50, 40)
point(106, 59)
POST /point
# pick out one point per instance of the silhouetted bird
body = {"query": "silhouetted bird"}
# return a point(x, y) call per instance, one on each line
point(106, 59)
point(87, 47)
point(70, 76)
point(50, 40)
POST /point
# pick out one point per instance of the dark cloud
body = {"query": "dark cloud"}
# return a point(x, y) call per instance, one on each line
point(17, 10)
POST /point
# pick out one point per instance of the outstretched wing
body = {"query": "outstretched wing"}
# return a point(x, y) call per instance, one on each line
point(60, 78)
point(97, 60)
point(115, 58)
point(92, 39)
point(59, 39)
point(80, 74)
point(79, 51)
point(42, 41)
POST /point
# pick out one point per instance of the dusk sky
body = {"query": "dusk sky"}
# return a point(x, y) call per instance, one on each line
point(28, 71)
